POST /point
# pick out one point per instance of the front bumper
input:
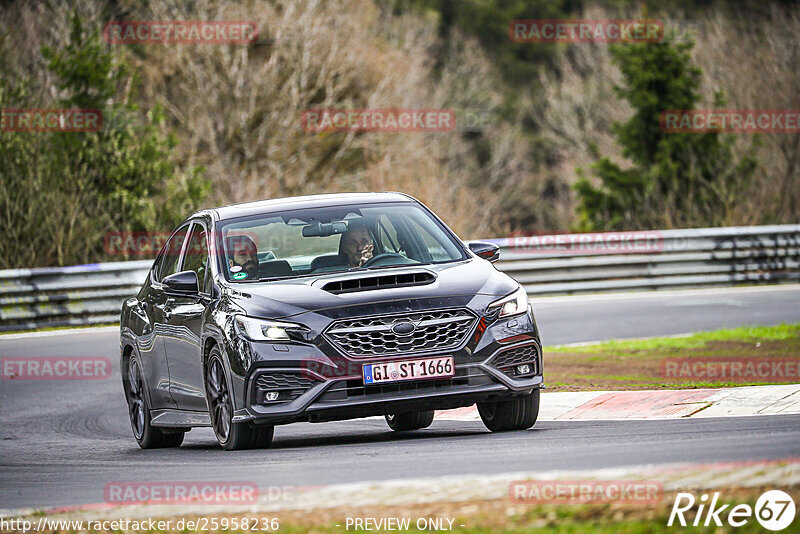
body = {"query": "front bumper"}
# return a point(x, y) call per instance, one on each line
point(307, 394)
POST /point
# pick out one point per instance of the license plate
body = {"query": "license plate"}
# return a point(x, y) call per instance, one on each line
point(376, 373)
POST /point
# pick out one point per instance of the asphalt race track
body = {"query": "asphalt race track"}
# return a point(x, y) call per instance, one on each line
point(62, 441)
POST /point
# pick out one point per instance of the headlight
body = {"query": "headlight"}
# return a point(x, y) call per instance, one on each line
point(264, 330)
point(513, 304)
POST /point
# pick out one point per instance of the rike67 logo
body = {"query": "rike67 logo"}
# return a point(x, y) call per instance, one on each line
point(774, 510)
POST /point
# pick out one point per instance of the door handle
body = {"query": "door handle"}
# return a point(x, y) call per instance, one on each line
point(167, 308)
point(188, 310)
point(167, 312)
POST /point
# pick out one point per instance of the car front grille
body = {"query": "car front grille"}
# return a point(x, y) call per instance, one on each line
point(434, 330)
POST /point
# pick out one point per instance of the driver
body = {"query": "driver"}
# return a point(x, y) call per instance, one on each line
point(242, 255)
point(357, 246)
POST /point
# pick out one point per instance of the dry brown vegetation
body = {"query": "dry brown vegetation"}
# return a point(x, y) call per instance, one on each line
point(237, 109)
point(754, 64)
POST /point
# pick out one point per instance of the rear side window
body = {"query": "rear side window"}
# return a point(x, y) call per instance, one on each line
point(171, 254)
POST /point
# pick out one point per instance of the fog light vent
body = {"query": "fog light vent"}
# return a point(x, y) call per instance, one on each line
point(517, 362)
point(272, 387)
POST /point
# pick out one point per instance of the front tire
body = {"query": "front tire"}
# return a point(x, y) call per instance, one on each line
point(147, 436)
point(519, 413)
point(409, 420)
point(232, 436)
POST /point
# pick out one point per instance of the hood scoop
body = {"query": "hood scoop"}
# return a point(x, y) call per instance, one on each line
point(383, 281)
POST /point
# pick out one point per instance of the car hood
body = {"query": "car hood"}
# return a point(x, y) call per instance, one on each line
point(455, 284)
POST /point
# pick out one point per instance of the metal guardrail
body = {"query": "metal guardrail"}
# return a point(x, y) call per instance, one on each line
point(68, 296)
point(669, 259)
point(545, 265)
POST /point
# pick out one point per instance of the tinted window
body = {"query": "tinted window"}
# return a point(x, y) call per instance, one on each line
point(435, 249)
point(171, 254)
point(332, 239)
point(196, 254)
point(387, 235)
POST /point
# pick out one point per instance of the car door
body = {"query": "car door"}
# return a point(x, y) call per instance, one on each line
point(184, 317)
point(154, 353)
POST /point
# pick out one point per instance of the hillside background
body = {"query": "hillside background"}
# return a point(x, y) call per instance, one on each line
point(203, 125)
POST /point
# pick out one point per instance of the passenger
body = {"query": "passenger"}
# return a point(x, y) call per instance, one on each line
point(242, 255)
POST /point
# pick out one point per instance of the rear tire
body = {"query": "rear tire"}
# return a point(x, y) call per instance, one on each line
point(514, 414)
point(232, 436)
point(409, 420)
point(146, 435)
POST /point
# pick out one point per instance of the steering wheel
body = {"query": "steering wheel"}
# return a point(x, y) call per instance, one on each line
point(380, 259)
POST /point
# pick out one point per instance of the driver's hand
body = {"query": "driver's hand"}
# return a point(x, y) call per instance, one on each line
point(366, 255)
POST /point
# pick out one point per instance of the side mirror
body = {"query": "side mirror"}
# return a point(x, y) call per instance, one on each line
point(487, 251)
point(184, 282)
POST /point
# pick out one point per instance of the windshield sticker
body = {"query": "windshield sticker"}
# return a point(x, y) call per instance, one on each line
point(236, 268)
point(239, 276)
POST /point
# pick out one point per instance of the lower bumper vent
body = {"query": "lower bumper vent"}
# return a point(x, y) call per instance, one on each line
point(274, 388)
point(509, 360)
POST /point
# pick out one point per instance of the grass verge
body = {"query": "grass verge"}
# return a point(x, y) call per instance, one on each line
point(498, 516)
point(702, 360)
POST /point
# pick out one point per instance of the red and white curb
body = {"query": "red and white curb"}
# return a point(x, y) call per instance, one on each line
point(656, 404)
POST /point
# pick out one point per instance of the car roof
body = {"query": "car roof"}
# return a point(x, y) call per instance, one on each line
point(309, 201)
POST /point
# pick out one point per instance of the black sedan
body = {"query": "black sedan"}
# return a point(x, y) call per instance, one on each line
point(324, 308)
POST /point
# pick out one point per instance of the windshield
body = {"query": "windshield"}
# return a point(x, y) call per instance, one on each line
point(327, 240)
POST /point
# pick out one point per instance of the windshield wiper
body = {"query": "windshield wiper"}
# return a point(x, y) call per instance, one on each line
point(348, 270)
point(271, 278)
point(397, 265)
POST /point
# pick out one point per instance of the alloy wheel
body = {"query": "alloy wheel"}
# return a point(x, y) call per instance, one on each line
point(218, 400)
point(136, 398)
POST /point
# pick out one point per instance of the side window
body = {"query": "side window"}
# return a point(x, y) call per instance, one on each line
point(387, 235)
point(172, 253)
point(196, 255)
point(435, 248)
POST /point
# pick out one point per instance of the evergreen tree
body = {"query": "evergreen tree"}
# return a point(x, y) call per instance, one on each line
point(676, 179)
point(67, 190)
